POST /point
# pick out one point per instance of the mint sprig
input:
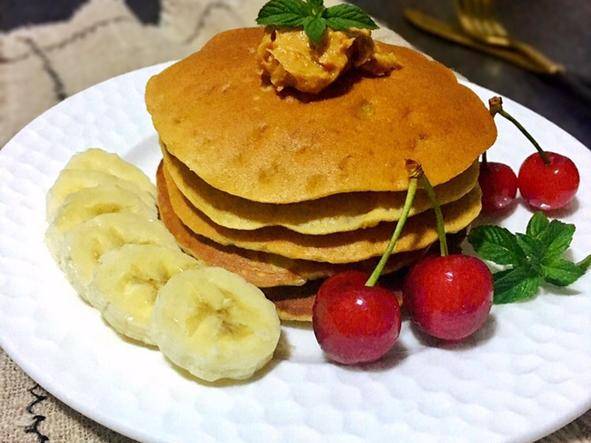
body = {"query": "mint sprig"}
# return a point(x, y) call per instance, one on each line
point(313, 16)
point(532, 258)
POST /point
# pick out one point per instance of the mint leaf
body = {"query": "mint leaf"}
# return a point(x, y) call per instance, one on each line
point(537, 225)
point(345, 16)
point(533, 250)
point(561, 272)
point(532, 247)
point(513, 285)
point(557, 237)
point(316, 6)
point(496, 244)
point(289, 13)
point(585, 263)
point(314, 28)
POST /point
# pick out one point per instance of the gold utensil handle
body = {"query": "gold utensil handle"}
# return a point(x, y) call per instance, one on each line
point(537, 57)
point(441, 29)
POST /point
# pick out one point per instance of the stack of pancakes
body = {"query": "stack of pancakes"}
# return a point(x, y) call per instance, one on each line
point(288, 188)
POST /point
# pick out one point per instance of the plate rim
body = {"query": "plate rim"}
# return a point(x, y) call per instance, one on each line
point(52, 385)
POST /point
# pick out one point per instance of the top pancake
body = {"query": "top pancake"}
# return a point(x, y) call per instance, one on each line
point(213, 113)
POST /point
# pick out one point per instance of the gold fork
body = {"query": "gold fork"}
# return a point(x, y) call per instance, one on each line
point(478, 20)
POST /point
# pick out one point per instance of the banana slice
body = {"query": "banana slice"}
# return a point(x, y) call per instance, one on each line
point(85, 244)
point(126, 283)
point(215, 324)
point(71, 181)
point(88, 203)
point(95, 159)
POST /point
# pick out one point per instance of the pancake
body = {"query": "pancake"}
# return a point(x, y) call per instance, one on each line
point(343, 247)
point(215, 115)
point(261, 269)
point(296, 303)
point(337, 213)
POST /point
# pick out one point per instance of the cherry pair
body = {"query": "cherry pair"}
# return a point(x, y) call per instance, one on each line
point(447, 296)
point(546, 180)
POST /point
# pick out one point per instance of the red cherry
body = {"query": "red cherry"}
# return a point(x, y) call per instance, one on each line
point(499, 186)
point(548, 186)
point(449, 297)
point(343, 281)
point(354, 323)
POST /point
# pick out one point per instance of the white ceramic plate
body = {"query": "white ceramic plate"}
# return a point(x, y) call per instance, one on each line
point(527, 373)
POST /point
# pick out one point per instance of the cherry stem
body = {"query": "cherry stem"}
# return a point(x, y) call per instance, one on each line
point(438, 214)
point(415, 173)
point(496, 107)
point(484, 159)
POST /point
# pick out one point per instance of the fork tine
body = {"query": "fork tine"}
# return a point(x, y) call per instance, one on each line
point(475, 6)
point(496, 26)
point(485, 14)
point(464, 15)
point(486, 5)
point(478, 7)
point(481, 18)
point(485, 17)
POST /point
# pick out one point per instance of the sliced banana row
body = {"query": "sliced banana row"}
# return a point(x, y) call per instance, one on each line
point(105, 235)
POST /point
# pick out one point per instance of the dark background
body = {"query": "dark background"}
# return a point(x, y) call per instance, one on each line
point(559, 28)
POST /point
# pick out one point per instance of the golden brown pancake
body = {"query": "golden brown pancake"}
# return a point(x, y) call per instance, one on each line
point(342, 247)
point(336, 213)
point(295, 303)
point(214, 114)
point(261, 269)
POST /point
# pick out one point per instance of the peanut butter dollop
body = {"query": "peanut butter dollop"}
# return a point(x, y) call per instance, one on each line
point(288, 59)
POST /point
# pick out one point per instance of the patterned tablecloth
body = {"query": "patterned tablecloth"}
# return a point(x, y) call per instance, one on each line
point(42, 64)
